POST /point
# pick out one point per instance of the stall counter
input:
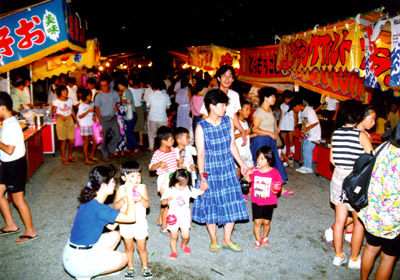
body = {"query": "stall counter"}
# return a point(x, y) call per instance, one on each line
point(33, 137)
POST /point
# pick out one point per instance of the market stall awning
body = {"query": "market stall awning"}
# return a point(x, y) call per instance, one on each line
point(330, 60)
point(211, 57)
point(48, 67)
point(38, 31)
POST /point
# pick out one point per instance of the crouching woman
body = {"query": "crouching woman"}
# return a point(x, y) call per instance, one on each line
point(90, 252)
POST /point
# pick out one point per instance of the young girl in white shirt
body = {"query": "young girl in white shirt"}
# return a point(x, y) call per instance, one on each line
point(177, 196)
point(85, 117)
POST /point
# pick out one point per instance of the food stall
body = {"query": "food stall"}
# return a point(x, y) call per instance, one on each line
point(329, 60)
point(32, 33)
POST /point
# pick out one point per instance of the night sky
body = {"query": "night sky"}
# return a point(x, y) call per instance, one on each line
point(132, 26)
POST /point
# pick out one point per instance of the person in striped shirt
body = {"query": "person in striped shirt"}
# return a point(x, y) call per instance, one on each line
point(164, 162)
point(348, 143)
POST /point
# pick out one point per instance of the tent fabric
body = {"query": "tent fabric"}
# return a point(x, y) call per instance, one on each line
point(211, 57)
point(38, 31)
point(54, 66)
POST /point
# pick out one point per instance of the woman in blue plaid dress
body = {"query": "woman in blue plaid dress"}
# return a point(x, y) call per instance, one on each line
point(222, 203)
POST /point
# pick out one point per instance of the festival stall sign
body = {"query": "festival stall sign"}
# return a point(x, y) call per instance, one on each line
point(211, 57)
point(258, 67)
point(37, 31)
point(329, 60)
point(48, 67)
point(382, 54)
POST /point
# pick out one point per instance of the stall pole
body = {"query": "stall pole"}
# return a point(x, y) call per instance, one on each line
point(31, 84)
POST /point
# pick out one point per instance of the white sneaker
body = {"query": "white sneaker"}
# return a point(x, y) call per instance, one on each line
point(300, 169)
point(339, 261)
point(307, 171)
point(285, 164)
point(354, 264)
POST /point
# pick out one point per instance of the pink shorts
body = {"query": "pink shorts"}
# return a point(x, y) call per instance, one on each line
point(183, 219)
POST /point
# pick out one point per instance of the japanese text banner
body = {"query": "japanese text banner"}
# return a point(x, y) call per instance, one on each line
point(36, 32)
point(259, 64)
point(212, 57)
point(338, 48)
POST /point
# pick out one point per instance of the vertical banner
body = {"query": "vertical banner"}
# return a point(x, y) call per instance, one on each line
point(377, 56)
point(395, 55)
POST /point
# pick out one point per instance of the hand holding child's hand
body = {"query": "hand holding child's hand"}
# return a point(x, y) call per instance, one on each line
point(203, 185)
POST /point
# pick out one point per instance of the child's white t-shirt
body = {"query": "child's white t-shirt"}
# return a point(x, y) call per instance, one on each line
point(140, 210)
point(64, 108)
point(11, 134)
point(180, 199)
point(88, 119)
point(243, 150)
point(287, 120)
point(315, 132)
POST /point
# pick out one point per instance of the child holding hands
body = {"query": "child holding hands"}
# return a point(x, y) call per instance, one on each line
point(177, 197)
point(131, 175)
point(266, 184)
point(164, 161)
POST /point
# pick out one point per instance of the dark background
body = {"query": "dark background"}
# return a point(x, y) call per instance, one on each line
point(132, 26)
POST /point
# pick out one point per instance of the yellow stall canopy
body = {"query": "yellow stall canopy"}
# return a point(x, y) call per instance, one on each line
point(48, 67)
point(212, 57)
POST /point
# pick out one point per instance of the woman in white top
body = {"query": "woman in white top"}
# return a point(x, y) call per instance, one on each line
point(286, 123)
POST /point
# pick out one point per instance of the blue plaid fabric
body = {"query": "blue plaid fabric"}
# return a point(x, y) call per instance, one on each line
point(223, 202)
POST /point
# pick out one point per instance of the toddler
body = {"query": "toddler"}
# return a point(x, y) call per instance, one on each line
point(177, 197)
point(164, 162)
point(131, 174)
point(266, 184)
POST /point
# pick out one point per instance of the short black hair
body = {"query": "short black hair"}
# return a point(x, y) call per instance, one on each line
point(180, 131)
point(91, 81)
point(5, 100)
point(164, 133)
point(288, 94)
point(222, 70)
point(214, 97)
point(129, 167)
point(266, 92)
point(60, 89)
point(244, 102)
point(71, 80)
point(268, 154)
point(158, 84)
point(350, 112)
point(85, 93)
point(19, 83)
point(122, 81)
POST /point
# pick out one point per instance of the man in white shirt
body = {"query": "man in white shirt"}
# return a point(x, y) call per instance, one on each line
point(225, 78)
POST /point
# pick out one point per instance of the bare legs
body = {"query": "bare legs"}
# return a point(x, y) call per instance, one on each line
point(265, 225)
point(185, 235)
point(385, 267)
point(141, 248)
point(228, 228)
point(23, 209)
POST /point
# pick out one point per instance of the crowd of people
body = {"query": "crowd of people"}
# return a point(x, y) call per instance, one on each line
point(201, 128)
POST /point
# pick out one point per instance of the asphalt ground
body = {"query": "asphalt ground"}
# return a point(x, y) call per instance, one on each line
point(296, 250)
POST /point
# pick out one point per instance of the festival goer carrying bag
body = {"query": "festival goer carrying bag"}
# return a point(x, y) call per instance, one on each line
point(355, 185)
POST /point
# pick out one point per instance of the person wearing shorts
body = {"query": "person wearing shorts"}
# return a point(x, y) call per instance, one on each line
point(62, 109)
point(13, 171)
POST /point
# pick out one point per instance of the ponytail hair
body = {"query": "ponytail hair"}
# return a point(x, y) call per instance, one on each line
point(181, 176)
point(98, 176)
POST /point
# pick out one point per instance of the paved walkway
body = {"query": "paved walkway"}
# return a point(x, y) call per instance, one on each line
point(296, 250)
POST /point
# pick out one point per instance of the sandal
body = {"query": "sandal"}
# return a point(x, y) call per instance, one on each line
point(214, 248)
point(265, 241)
point(257, 245)
point(94, 159)
point(130, 273)
point(234, 248)
point(72, 159)
point(186, 249)
point(287, 192)
point(66, 162)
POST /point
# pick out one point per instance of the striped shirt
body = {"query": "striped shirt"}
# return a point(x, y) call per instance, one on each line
point(346, 147)
point(169, 158)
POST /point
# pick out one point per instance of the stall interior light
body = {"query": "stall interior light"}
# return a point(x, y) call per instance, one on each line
point(139, 66)
point(101, 68)
point(107, 64)
point(150, 64)
point(184, 66)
